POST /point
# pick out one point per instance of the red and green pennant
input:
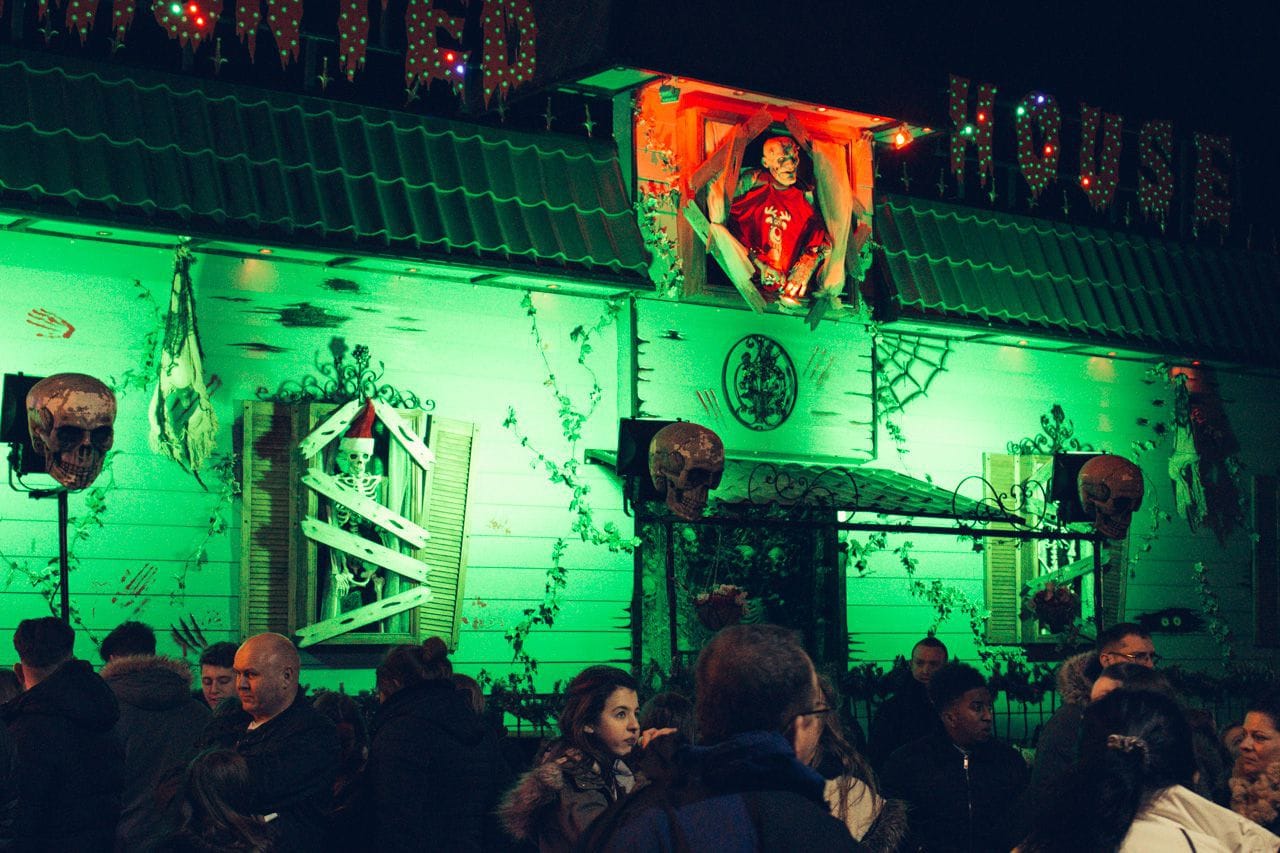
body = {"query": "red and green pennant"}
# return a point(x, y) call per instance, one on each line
point(1155, 179)
point(971, 128)
point(425, 59)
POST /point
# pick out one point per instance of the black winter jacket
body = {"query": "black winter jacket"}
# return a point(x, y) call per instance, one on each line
point(906, 716)
point(435, 772)
point(957, 802)
point(68, 768)
point(158, 728)
point(293, 759)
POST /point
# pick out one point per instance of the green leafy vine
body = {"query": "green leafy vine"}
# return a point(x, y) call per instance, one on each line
point(517, 687)
point(1218, 628)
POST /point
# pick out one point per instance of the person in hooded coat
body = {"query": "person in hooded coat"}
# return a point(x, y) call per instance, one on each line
point(158, 728)
point(68, 768)
point(435, 770)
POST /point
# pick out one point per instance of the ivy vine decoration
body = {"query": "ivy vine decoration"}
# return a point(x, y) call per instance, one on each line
point(516, 691)
point(1057, 435)
point(1217, 627)
point(343, 379)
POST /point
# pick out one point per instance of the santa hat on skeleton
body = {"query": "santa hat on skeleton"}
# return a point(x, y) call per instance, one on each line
point(359, 435)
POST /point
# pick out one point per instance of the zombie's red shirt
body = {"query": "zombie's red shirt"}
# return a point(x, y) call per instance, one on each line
point(776, 223)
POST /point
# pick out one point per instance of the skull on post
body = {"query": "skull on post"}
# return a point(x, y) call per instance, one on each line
point(1111, 490)
point(686, 461)
point(71, 418)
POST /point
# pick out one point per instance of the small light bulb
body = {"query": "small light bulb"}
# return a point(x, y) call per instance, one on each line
point(1048, 149)
point(982, 117)
point(1039, 99)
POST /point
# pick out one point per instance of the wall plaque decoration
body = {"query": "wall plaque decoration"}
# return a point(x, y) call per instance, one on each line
point(760, 383)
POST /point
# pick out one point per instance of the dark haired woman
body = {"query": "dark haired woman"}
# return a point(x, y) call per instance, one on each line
point(434, 773)
point(215, 809)
point(1131, 792)
point(1255, 784)
point(584, 770)
point(851, 790)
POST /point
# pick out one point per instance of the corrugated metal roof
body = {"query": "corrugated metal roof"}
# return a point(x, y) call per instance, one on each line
point(186, 153)
point(943, 262)
point(855, 488)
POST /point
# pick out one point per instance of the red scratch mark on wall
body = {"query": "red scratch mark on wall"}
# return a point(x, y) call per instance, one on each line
point(135, 586)
point(49, 324)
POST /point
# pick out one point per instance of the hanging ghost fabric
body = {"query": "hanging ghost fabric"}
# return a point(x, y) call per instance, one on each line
point(183, 425)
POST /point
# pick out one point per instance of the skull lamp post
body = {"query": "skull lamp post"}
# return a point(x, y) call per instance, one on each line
point(71, 418)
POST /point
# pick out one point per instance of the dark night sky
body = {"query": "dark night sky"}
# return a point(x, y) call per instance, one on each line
point(1208, 66)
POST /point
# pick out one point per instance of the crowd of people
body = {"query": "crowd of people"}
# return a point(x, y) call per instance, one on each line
point(762, 757)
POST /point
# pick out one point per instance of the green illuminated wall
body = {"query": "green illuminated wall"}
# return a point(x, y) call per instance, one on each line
point(990, 395)
point(263, 322)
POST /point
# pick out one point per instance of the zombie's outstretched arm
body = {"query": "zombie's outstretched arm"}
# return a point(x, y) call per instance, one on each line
point(796, 286)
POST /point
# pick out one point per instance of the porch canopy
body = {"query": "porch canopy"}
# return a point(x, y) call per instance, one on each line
point(96, 142)
point(1002, 273)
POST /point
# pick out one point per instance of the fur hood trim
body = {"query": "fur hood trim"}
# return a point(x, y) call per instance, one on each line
point(522, 808)
point(134, 664)
point(1074, 685)
point(889, 830)
point(1257, 799)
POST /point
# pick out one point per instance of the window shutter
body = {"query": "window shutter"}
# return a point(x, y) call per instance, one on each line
point(270, 514)
point(1115, 580)
point(448, 488)
point(1266, 561)
point(1008, 563)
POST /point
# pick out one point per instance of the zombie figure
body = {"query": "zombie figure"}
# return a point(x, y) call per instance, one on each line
point(355, 452)
point(775, 219)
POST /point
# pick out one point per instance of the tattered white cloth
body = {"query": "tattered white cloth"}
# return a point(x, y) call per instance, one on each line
point(183, 426)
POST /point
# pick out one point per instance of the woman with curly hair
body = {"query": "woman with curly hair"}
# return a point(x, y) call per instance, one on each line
point(583, 771)
point(1255, 784)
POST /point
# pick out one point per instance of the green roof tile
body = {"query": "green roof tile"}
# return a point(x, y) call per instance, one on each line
point(182, 153)
point(944, 262)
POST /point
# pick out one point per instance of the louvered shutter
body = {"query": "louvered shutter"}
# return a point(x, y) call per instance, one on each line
point(1008, 563)
point(448, 489)
point(269, 547)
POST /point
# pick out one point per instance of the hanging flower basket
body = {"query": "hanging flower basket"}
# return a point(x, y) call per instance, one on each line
point(725, 605)
point(1056, 607)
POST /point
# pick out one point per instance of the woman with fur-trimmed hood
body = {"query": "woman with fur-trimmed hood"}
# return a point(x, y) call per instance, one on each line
point(158, 727)
point(1255, 783)
point(583, 771)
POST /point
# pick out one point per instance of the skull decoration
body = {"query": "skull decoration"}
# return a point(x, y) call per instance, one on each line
point(71, 418)
point(685, 462)
point(356, 447)
point(781, 157)
point(1111, 490)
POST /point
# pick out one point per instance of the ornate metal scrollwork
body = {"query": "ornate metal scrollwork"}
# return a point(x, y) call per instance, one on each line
point(345, 380)
point(1025, 506)
point(1057, 435)
point(760, 383)
point(795, 484)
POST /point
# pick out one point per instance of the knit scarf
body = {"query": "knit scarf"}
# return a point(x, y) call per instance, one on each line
point(1257, 798)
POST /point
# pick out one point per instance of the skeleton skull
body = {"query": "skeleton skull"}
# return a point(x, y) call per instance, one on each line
point(353, 456)
point(1111, 490)
point(685, 462)
point(782, 158)
point(71, 418)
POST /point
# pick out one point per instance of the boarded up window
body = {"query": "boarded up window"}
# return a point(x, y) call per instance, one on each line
point(279, 582)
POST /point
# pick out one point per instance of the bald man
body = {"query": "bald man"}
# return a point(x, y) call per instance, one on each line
point(292, 750)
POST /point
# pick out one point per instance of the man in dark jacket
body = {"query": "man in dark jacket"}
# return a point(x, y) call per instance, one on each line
point(748, 787)
point(908, 714)
point(159, 725)
point(961, 786)
point(1056, 748)
point(67, 766)
point(292, 750)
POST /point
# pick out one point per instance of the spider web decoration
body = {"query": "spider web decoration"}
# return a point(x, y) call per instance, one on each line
point(907, 367)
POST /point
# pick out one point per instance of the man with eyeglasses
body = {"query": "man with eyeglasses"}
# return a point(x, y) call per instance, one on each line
point(1125, 642)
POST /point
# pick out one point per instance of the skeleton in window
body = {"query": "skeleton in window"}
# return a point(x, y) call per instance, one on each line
point(775, 219)
point(354, 463)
